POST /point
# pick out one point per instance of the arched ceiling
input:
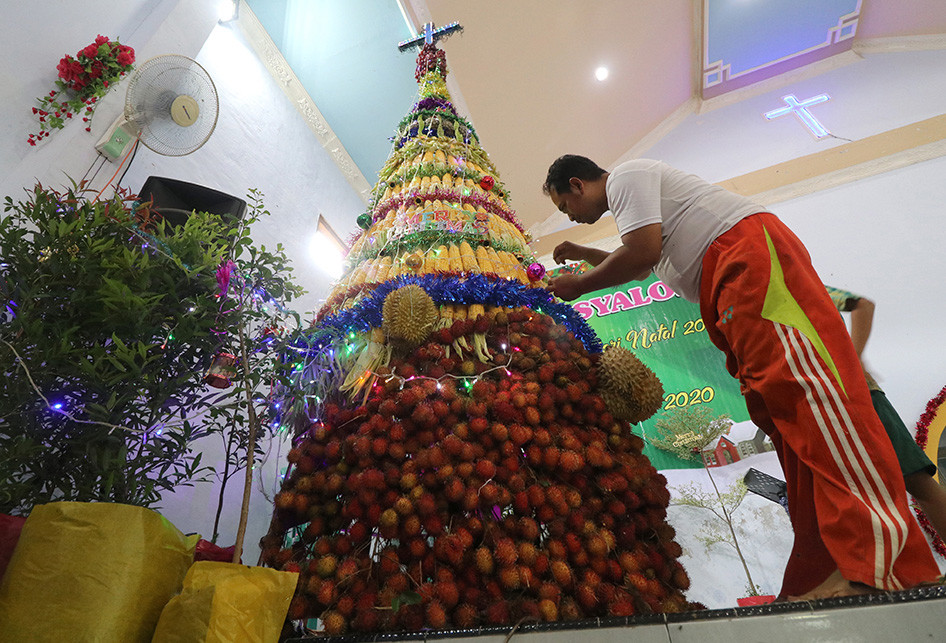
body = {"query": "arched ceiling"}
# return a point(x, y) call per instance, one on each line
point(523, 70)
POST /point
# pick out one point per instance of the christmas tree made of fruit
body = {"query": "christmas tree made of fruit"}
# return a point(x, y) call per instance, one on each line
point(463, 455)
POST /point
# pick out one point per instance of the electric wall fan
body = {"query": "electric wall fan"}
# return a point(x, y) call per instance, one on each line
point(171, 105)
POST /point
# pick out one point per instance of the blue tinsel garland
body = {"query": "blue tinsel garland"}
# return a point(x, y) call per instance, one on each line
point(475, 289)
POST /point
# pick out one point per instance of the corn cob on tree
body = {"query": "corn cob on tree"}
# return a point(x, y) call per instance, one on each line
point(455, 461)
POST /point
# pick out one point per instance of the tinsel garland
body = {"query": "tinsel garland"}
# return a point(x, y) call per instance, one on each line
point(421, 144)
point(334, 302)
point(922, 435)
point(447, 196)
point(476, 289)
point(435, 113)
point(407, 172)
point(434, 103)
point(427, 239)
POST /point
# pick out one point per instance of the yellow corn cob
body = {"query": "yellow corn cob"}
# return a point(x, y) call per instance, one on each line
point(442, 263)
point(499, 266)
point(447, 182)
point(358, 276)
point(384, 269)
point(425, 183)
point(371, 271)
point(428, 156)
point(475, 310)
point(456, 262)
point(468, 257)
point(482, 258)
point(440, 156)
point(459, 313)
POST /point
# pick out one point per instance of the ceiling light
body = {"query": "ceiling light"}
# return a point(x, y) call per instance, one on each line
point(227, 10)
point(601, 73)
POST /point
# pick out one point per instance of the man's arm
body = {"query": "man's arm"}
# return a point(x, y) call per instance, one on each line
point(862, 317)
point(570, 251)
point(633, 260)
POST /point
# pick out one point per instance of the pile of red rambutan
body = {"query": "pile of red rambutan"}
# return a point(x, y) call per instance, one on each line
point(465, 493)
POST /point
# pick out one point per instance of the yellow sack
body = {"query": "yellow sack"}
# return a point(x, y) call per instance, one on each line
point(228, 603)
point(91, 572)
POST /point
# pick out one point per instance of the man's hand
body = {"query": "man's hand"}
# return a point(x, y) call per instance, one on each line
point(566, 287)
point(568, 251)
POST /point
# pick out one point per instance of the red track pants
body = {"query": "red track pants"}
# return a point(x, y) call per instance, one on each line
point(765, 307)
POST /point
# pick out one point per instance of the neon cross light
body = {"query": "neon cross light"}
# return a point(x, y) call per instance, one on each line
point(800, 110)
point(430, 35)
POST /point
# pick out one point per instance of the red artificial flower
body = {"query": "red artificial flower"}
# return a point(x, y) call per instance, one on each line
point(91, 51)
point(100, 40)
point(126, 58)
point(96, 70)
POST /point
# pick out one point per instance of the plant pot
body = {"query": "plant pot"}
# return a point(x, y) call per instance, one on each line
point(746, 601)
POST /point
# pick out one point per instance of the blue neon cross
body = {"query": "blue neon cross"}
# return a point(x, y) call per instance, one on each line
point(429, 35)
point(800, 110)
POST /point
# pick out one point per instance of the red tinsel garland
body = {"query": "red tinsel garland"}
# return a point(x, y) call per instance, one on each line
point(922, 434)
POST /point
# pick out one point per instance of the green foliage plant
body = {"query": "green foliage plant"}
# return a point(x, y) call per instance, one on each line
point(109, 320)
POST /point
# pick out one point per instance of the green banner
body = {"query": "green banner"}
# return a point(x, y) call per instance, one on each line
point(666, 333)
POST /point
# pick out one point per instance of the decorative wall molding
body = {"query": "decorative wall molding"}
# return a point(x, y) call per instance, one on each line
point(718, 77)
point(287, 80)
point(900, 43)
point(877, 154)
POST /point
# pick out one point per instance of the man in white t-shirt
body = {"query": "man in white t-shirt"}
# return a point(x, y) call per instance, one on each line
point(765, 307)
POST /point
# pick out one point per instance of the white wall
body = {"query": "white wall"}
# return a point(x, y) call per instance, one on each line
point(260, 142)
point(880, 236)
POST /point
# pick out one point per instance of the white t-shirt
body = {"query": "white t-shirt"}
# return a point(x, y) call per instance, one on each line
point(691, 212)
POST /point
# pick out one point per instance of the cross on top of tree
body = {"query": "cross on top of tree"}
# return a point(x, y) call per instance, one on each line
point(429, 35)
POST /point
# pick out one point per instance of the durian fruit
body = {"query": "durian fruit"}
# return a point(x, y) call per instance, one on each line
point(631, 391)
point(408, 316)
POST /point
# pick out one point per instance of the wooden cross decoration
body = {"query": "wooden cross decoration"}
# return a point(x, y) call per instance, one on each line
point(430, 35)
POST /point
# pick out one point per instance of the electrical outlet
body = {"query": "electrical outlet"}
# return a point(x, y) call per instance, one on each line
point(116, 140)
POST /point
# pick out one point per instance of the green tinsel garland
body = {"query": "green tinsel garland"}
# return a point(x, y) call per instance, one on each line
point(428, 239)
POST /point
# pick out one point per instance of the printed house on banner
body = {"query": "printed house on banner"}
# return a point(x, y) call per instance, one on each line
point(730, 449)
point(462, 453)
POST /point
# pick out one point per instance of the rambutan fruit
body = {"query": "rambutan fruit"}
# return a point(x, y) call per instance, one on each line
point(532, 415)
point(561, 572)
point(497, 613)
point(499, 432)
point(465, 615)
point(550, 591)
point(447, 592)
point(436, 615)
point(520, 434)
point(327, 593)
point(548, 609)
point(527, 553)
point(509, 578)
point(483, 559)
point(334, 622)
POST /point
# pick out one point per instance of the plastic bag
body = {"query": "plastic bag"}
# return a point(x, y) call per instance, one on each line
point(10, 528)
point(91, 572)
point(228, 603)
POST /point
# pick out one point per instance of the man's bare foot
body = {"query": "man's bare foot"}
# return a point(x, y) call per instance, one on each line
point(836, 585)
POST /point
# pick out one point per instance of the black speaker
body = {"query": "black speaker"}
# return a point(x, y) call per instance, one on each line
point(175, 200)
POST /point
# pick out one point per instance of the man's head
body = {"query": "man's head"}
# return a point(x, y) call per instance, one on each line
point(576, 186)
